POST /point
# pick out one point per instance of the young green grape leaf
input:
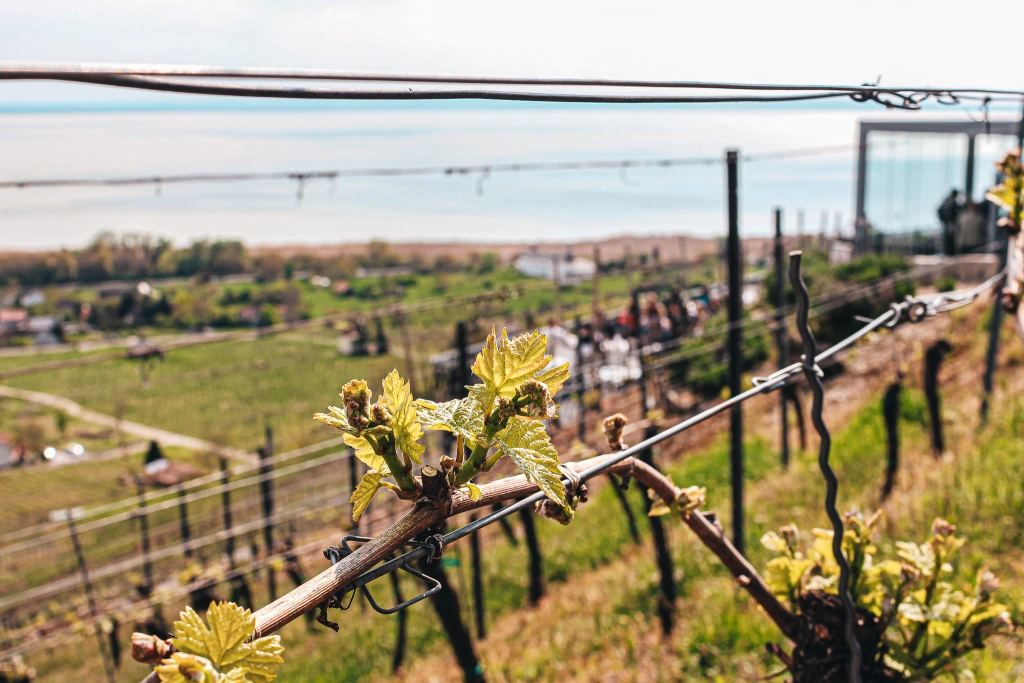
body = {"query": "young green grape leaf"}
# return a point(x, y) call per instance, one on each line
point(658, 508)
point(185, 668)
point(397, 397)
point(336, 419)
point(554, 377)
point(364, 451)
point(364, 493)
point(503, 364)
point(475, 493)
point(462, 416)
point(224, 641)
point(1005, 195)
point(528, 444)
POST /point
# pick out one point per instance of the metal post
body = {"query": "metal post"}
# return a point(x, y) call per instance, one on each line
point(735, 347)
point(462, 354)
point(89, 597)
point(478, 583)
point(186, 530)
point(596, 305)
point(860, 219)
point(781, 336)
point(225, 501)
point(147, 565)
point(994, 327)
point(662, 554)
point(642, 380)
point(267, 497)
point(824, 451)
point(969, 180)
point(581, 421)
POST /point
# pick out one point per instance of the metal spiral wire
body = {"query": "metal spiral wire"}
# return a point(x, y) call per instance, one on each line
point(831, 482)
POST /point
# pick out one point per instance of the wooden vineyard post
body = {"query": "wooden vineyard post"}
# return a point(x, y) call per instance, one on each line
point(891, 414)
point(225, 502)
point(108, 665)
point(781, 336)
point(479, 611)
point(634, 531)
point(735, 343)
point(240, 593)
point(186, 529)
point(147, 566)
point(267, 499)
point(446, 604)
point(401, 629)
point(536, 588)
point(932, 361)
point(662, 554)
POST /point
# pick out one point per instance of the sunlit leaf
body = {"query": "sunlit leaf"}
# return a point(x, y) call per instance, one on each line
point(364, 451)
point(462, 416)
point(364, 493)
point(336, 419)
point(185, 668)
point(528, 445)
point(1005, 195)
point(475, 493)
point(503, 364)
point(555, 377)
point(397, 397)
point(658, 508)
point(224, 642)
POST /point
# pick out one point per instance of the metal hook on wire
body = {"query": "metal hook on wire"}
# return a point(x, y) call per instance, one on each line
point(811, 372)
point(484, 175)
point(624, 177)
point(300, 190)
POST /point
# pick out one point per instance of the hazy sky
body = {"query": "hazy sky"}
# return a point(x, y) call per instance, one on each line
point(51, 130)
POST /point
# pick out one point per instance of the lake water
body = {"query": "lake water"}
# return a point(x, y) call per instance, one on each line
point(514, 207)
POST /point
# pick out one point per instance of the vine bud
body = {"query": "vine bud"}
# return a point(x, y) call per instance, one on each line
point(942, 528)
point(380, 415)
point(612, 429)
point(150, 649)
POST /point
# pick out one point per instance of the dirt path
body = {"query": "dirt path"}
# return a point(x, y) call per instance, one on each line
point(161, 436)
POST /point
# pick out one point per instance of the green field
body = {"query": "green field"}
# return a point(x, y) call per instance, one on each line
point(224, 392)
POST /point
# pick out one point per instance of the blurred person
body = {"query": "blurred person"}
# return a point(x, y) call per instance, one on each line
point(949, 211)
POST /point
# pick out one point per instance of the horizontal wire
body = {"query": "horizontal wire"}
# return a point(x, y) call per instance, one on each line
point(445, 170)
point(16, 70)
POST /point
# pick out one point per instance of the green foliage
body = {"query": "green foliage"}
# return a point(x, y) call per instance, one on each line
point(930, 624)
point(871, 267)
point(221, 652)
point(504, 413)
point(945, 284)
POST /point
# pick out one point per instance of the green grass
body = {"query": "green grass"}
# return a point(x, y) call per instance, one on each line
point(31, 492)
point(16, 362)
point(224, 392)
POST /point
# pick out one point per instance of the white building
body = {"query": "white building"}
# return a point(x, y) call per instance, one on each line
point(563, 267)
